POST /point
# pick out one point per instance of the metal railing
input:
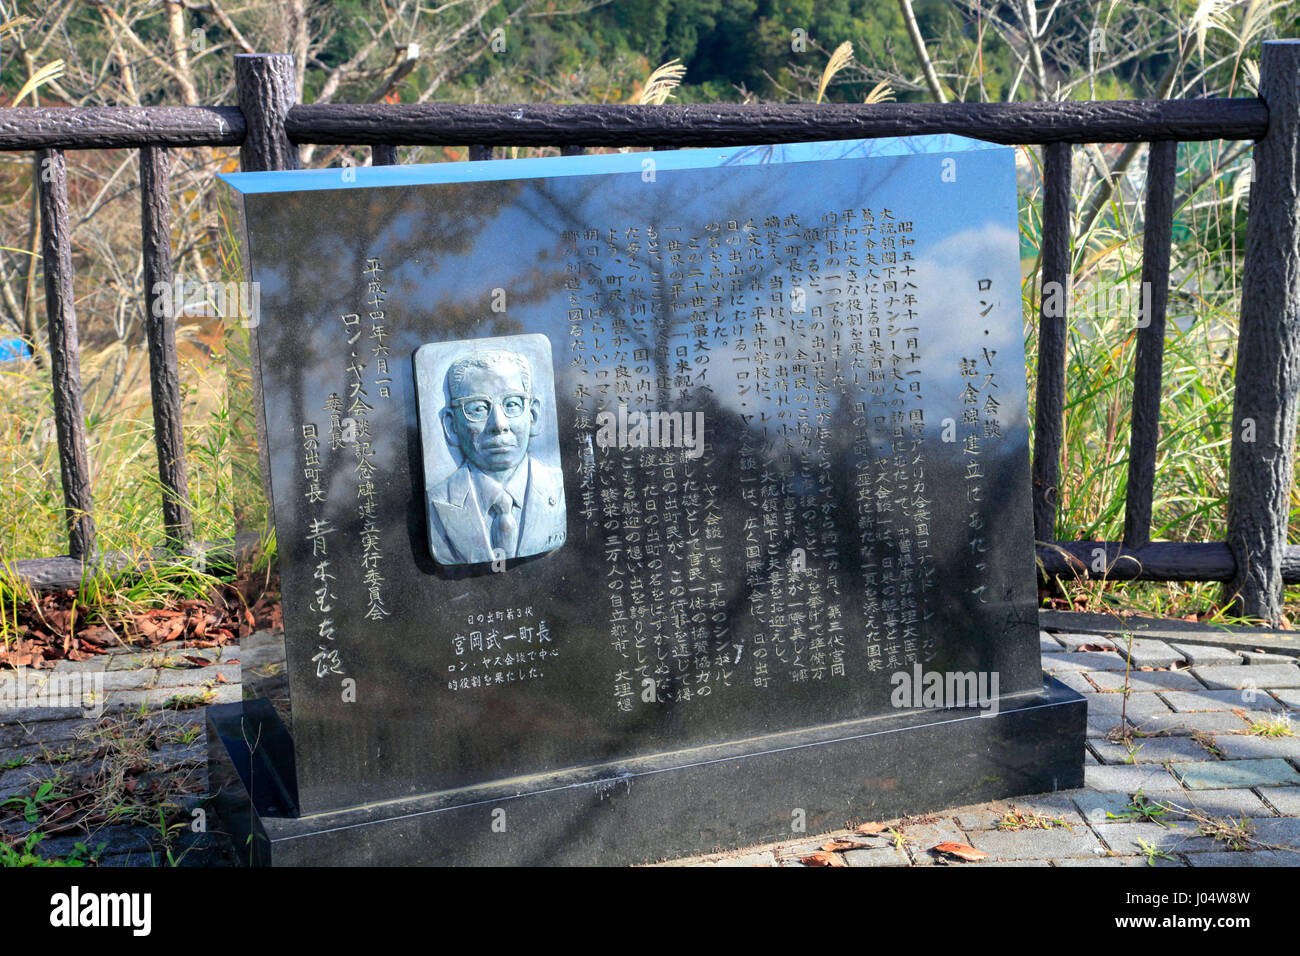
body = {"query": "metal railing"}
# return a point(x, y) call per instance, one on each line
point(268, 126)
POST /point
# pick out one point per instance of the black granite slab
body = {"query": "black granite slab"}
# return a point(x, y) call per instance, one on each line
point(844, 333)
point(642, 810)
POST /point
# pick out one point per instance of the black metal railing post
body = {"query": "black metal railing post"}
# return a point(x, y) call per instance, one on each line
point(1268, 349)
point(65, 354)
point(1148, 372)
point(266, 93)
point(160, 329)
point(1049, 394)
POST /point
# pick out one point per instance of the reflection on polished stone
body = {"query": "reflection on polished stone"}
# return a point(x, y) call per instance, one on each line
point(574, 465)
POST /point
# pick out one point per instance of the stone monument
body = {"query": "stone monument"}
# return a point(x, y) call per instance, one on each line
point(634, 505)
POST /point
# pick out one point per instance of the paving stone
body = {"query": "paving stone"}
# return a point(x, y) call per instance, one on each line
point(1290, 698)
point(213, 654)
point(1101, 725)
point(1253, 675)
point(97, 663)
point(1122, 861)
point(261, 654)
point(173, 754)
point(1263, 657)
point(32, 715)
point(1190, 702)
point(21, 779)
point(133, 662)
point(1179, 837)
point(49, 732)
point(1238, 746)
point(755, 858)
point(1278, 832)
point(1097, 808)
point(1211, 803)
point(133, 859)
point(1036, 844)
point(1207, 655)
point(1140, 703)
point(1146, 652)
point(1149, 750)
point(1055, 806)
point(1128, 778)
point(1083, 661)
point(104, 842)
point(1188, 723)
point(1250, 858)
point(978, 815)
point(889, 855)
point(261, 639)
point(142, 679)
point(921, 837)
point(800, 848)
point(1285, 800)
point(1220, 774)
point(988, 863)
point(129, 701)
point(1072, 641)
point(197, 676)
point(1254, 718)
point(1047, 643)
point(1147, 680)
point(1077, 681)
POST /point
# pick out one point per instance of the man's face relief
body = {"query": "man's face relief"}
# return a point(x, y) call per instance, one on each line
point(491, 417)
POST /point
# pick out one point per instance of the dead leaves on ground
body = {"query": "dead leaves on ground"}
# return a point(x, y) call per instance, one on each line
point(832, 852)
point(823, 858)
point(961, 851)
point(56, 626)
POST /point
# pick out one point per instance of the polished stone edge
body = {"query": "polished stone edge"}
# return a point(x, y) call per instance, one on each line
point(699, 800)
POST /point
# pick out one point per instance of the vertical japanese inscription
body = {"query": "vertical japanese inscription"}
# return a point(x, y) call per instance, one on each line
point(780, 326)
point(354, 430)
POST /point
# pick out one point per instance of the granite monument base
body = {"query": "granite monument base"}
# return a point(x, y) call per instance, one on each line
point(657, 807)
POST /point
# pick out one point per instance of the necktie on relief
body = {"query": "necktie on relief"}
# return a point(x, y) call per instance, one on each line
point(504, 525)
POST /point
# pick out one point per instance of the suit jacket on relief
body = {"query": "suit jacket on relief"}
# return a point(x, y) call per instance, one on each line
point(457, 532)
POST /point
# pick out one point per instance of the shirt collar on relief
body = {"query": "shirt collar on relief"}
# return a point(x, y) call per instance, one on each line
point(488, 488)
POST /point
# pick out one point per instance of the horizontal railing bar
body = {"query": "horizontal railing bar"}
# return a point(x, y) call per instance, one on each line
point(734, 124)
point(719, 124)
point(111, 127)
point(1158, 561)
point(62, 572)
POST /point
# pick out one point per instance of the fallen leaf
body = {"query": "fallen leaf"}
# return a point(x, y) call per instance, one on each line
point(871, 828)
point(823, 859)
point(961, 851)
point(836, 846)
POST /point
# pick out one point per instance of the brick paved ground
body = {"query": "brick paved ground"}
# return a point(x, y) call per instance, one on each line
point(1229, 797)
point(1192, 753)
point(142, 728)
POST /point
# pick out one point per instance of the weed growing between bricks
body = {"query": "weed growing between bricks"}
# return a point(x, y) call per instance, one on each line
point(126, 784)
